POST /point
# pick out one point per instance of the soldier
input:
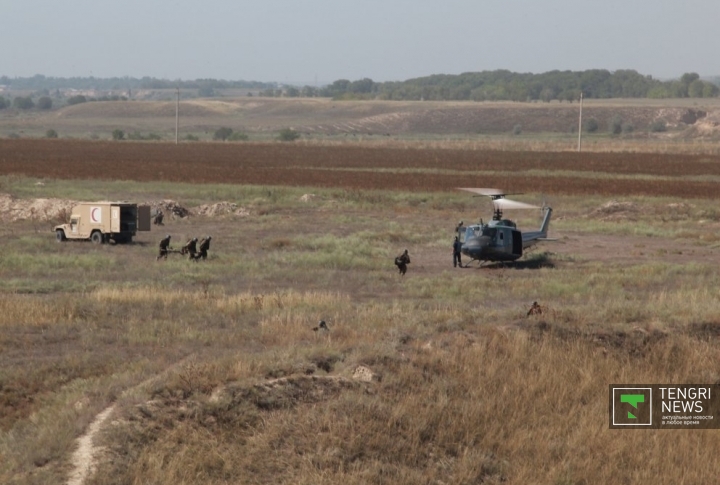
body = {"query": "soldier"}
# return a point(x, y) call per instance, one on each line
point(535, 309)
point(456, 252)
point(164, 246)
point(190, 248)
point(159, 218)
point(204, 246)
point(402, 261)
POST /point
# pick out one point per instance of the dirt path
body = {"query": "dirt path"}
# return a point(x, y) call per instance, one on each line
point(83, 458)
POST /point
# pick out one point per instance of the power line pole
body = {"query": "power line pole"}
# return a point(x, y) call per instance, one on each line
point(177, 115)
point(580, 123)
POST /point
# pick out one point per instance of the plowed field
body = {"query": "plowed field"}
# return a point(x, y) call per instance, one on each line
point(358, 167)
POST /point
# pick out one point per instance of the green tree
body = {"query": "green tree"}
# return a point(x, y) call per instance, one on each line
point(222, 133)
point(288, 134)
point(695, 89)
point(615, 125)
point(118, 134)
point(77, 99)
point(23, 102)
point(51, 134)
point(591, 125)
point(4, 103)
point(710, 90)
point(44, 103)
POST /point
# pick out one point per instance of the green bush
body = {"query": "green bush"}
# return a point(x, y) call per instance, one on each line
point(76, 99)
point(118, 135)
point(238, 136)
point(288, 134)
point(222, 133)
point(4, 103)
point(190, 137)
point(658, 126)
point(591, 125)
point(517, 129)
point(23, 102)
point(51, 134)
point(615, 125)
point(44, 103)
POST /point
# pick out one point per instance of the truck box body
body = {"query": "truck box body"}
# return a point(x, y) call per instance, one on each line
point(105, 221)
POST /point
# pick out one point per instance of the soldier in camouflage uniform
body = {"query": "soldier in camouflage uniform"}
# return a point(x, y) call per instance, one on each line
point(402, 261)
point(204, 247)
point(190, 248)
point(164, 246)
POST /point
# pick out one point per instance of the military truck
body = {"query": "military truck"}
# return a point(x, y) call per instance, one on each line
point(102, 222)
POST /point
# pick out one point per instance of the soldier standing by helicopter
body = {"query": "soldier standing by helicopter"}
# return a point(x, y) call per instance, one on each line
point(457, 245)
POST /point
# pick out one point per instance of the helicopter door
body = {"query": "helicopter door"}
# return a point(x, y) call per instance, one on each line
point(517, 243)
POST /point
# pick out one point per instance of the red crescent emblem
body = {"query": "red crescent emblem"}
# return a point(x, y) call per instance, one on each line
point(92, 214)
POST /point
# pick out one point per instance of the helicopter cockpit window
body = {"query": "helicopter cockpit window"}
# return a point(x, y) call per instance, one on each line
point(490, 231)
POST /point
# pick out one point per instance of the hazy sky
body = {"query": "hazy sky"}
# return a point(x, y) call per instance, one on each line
point(301, 41)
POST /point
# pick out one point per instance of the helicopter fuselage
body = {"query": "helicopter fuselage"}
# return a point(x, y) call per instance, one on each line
point(499, 240)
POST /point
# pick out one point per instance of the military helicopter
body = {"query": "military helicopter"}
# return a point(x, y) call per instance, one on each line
point(500, 239)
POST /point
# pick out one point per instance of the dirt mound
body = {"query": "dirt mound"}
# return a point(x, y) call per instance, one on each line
point(169, 207)
point(220, 209)
point(12, 209)
point(705, 127)
point(615, 210)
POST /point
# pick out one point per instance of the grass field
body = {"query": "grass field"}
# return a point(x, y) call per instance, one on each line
point(215, 372)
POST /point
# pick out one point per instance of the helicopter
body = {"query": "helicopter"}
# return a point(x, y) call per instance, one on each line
point(500, 240)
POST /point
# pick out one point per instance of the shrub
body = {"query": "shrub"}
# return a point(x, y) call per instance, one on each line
point(591, 125)
point(238, 136)
point(51, 134)
point(118, 135)
point(517, 129)
point(658, 126)
point(44, 103)
point(628, 128)
point(615, 125)
point(4, 103)
point(288, 134)
point(190, 137)
point(23, 102)
point(222, 133)
point(76, 99)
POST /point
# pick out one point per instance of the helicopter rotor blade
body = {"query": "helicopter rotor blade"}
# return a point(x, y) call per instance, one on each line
point(487, 192)
point(513, 204)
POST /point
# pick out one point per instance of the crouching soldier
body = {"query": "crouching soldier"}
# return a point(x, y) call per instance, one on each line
point(190, 248)
point(204, 247)
point(402, 261)
point(164, 246)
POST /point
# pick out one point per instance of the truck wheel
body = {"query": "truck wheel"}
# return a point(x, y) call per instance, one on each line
point(60, 235)
point(96, 237)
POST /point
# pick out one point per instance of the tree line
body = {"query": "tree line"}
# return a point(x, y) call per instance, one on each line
point(40, 82)
point(503, 85)
point(499, 85)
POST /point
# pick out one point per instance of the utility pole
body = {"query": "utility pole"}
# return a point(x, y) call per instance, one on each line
point(177, 115)
point(580, 124)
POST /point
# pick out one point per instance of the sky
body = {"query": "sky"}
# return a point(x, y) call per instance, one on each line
point(319, 41)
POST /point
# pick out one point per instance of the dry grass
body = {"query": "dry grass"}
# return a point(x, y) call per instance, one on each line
point(467, 389)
